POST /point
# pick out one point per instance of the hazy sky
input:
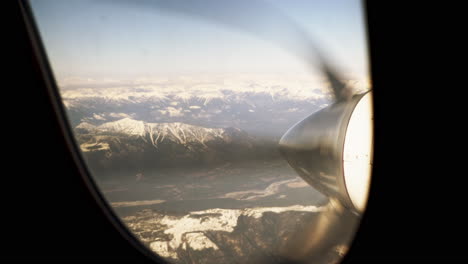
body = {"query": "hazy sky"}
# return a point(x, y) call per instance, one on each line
point(117, 39)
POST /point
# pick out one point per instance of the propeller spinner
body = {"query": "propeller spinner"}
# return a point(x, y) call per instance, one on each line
point(332, 149)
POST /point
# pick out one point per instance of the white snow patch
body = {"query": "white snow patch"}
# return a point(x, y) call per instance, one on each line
point(119, 115)
point(98, 117)
point(162, 248)
point(174, 112)
point(218, 220)
point(125, 125)
point(188, 230)
point(198, 241)
point(87, 147)
point(223, 87)
point(86, 126)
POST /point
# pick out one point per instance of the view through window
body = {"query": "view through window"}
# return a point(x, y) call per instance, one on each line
point(178, 110)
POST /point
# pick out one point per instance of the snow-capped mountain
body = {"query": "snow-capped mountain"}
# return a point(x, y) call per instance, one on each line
point(251, 235)
point(125, 126)
point(207, 87)
point(252, 112)
point(129, 143)
point(264, 104)
point(187, 119)
point(177, 132)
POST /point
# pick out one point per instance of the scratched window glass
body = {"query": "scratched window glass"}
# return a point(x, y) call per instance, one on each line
point(220, 131)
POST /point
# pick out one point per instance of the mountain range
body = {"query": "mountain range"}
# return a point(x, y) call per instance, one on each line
point(251, 235)
point(135, 145)
point(261, 107)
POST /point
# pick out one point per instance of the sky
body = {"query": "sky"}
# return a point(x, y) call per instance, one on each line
point(128, 39)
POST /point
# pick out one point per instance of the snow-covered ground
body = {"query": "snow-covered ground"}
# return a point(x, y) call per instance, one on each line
point(188, 230)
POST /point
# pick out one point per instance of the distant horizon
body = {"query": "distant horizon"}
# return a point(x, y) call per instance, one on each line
point(315, 81)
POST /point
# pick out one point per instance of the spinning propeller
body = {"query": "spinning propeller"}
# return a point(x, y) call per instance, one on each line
point(330, 149)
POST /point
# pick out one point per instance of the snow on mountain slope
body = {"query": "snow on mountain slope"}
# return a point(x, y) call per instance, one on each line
point(177, 132)
point(255, 103)
point(157, 132)
point(189, 231)
point(225, 88)
point(182, 133)
point(125, 126)
point(129, 144)
point(277, 86)
point(85, 127)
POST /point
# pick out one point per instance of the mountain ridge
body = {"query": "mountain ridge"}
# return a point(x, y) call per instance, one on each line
point(138, 145)
point(179, 132)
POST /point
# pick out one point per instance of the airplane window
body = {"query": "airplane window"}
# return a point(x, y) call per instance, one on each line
point(220, 131)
